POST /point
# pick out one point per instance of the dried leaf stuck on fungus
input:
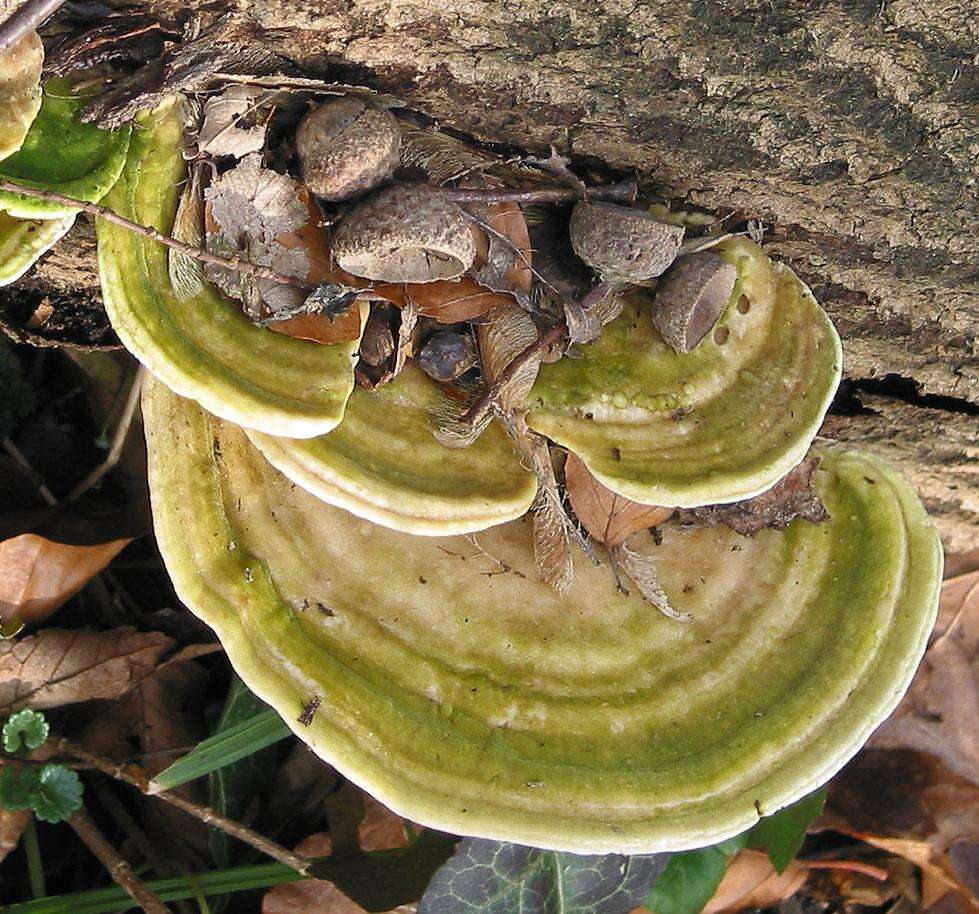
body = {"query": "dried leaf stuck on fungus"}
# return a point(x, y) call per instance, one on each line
point(346, 146)
point(608, 517)
point(249, 209)
point(641, 570)
point(231, 127)
point(791, 497)
point(691, 297)
point(405, 233)
point(623, 244)
point(186, 273)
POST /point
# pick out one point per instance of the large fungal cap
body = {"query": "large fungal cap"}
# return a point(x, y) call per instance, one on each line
point(470, 697)
point(691, 297)
point(405, 233)
point(623, 244)
point(346, 146)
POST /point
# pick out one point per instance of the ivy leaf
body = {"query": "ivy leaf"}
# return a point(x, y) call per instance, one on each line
point(691, 878)
point(494, 878)
point(54, 792)
point(59, 793)
point(782, 834)
point(25, 730)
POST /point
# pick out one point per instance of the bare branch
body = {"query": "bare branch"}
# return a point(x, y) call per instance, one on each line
point(27, 17)
point(94, 209)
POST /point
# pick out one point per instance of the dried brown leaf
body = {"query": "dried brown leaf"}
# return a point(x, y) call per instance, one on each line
point(56, 667)
point(316, 896)
point(162, 718)
point(223, 133)
point(641, 570)
point(791, 497)
point(248, 210)
point(12, 824)
point(940, 713)
point(751, 882)
point(608, 517)
point(38, 575)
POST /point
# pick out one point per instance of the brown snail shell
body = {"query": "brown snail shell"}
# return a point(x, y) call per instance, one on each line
point(346, 146)
point(622, 243)
point(405, 233)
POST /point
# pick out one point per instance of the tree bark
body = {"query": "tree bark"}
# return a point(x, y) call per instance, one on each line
point(851, 129)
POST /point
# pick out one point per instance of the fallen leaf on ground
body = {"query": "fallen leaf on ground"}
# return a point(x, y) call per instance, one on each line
point(56, 667)
point(12, 824)
point(158, 721)
point(940, 713)
point(38, 575)
point(316, 896)
point(751, 882)
point(608, 517)
point(791, 497)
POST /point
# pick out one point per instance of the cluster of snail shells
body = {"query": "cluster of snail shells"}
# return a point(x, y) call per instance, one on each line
point(348, 147)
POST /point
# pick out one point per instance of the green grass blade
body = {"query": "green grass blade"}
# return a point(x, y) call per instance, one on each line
point(218, 882)
point(224, 748)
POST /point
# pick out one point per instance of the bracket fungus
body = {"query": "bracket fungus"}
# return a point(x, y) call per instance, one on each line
point(88, 163)
point(623, 243)
point(347, 146)
point(329, 536)
point(718, 424)
point(406, 234)
point(20, 90)
point(203, 346)
point(468, 696)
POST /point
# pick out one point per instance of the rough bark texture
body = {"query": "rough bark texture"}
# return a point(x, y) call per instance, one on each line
point(849, 128)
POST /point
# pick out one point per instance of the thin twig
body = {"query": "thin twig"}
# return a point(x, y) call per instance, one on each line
point(27, 17)
point(25, 465)
point(118, 438)
point(484, 402)
point(623, 192)
point(134, 831)
point(94, 209)
point(853, 866)
point(135, 778)
point(120, 871)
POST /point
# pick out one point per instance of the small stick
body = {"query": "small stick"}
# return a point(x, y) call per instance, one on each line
point(25, 465)
point(27, 17)
point(120, 871)
point(94, 209)
point(485, 400)
point(623, 191)
point(135, 778)
point(853, 866)
point(118, 438)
